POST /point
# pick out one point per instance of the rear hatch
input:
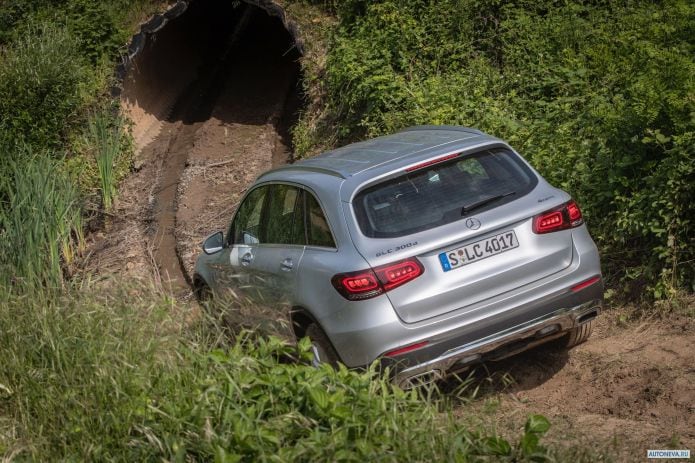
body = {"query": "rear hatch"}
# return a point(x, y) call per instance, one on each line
point(468, 220)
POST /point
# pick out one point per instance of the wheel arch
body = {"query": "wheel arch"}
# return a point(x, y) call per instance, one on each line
point(301, 318)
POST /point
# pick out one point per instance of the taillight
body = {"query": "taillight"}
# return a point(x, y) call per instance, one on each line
point(561, 218)
point(394, 275)
point(366, 284)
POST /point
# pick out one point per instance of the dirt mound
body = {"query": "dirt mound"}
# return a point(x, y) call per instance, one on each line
point(629, 388)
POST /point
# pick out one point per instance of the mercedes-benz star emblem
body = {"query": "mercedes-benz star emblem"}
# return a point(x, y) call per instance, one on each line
point(472, 223)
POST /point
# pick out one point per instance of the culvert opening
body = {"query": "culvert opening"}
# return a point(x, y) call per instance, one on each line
point(215, 84)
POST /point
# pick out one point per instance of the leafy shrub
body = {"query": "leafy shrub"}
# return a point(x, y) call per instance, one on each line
point(599, 96)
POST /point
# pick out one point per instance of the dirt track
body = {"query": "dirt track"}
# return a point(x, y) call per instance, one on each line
point(225, 95)
point(214, 126)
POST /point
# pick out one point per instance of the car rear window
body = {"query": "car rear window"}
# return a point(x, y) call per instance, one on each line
point(442, 193)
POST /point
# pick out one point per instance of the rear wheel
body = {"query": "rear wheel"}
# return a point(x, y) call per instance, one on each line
point(579, 334)
point(321, 347)
point(202, 293)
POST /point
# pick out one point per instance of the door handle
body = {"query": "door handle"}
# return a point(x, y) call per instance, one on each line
point(287, 265)
point(246, 259)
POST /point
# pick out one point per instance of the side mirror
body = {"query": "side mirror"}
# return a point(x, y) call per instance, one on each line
point(213, 243)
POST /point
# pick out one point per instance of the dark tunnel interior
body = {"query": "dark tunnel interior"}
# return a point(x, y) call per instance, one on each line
point(217, 85)
point(226, 57)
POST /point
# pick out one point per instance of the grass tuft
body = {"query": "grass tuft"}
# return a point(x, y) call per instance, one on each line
point(40, 221)
point(106, 135)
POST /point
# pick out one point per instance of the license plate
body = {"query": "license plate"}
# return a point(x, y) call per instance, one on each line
point(479, 250)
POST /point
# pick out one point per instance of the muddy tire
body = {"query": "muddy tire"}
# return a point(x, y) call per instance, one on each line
point(202, 293)
point(579, 334)
point(321, 347)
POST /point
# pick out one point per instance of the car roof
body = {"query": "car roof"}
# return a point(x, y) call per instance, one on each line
point(411, 143)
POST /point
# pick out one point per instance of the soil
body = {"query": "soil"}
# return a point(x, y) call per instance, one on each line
point(212, 97)
point(208, 119)
point(629, 388)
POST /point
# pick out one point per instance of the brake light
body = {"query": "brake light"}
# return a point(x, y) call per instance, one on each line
point(370, 283)
point(360, 283)
point(394, 275)
point(561, 218)
point(431, 162)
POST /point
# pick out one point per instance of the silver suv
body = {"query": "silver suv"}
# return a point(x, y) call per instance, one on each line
point(431, 249)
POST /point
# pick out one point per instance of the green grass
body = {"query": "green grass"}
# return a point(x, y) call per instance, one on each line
point(106, 135)
point(40, 220)
point(110, 373)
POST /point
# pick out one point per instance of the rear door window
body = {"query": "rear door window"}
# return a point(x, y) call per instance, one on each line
point(442, 193)
point(280, 221)
point(318, 230)
point(247, 227)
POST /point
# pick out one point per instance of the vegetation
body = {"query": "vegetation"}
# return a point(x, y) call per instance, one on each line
point(599, 96)
point(106, 134)
point(41, 222)
point(56, 59)
point(114, 376)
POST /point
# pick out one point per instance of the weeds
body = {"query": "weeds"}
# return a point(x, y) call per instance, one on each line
point(40, 221)
point(106, 135)
point(41, 86)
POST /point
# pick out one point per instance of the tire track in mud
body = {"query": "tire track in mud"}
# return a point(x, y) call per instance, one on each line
point(236, 115)
point(192, 108)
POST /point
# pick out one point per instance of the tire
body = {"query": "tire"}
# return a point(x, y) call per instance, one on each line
point(579, 334)
point(203, 293)
point(321, 347)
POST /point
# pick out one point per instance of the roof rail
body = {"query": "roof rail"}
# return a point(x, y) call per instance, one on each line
point(309, 168)
point(457, 128)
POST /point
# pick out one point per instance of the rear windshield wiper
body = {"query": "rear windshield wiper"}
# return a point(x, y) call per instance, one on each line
point(478, 204)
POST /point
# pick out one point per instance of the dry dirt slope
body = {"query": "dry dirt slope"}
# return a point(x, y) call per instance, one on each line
point(630, 388)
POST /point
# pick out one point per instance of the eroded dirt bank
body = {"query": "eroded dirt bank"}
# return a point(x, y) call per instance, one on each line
point(630, 388)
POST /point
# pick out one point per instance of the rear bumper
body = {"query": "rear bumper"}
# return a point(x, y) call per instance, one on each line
point(410, 371)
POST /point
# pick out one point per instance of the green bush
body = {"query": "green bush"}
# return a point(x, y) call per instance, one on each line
point(109, 374)
point(599, 96)
point(41, 82)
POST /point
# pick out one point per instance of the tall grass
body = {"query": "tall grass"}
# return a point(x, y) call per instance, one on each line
point(40, 220)
point(106, 134)
point(43, 80)
point(101, 374)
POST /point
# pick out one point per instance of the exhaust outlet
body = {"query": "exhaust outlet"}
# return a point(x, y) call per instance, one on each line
point(587, 317)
